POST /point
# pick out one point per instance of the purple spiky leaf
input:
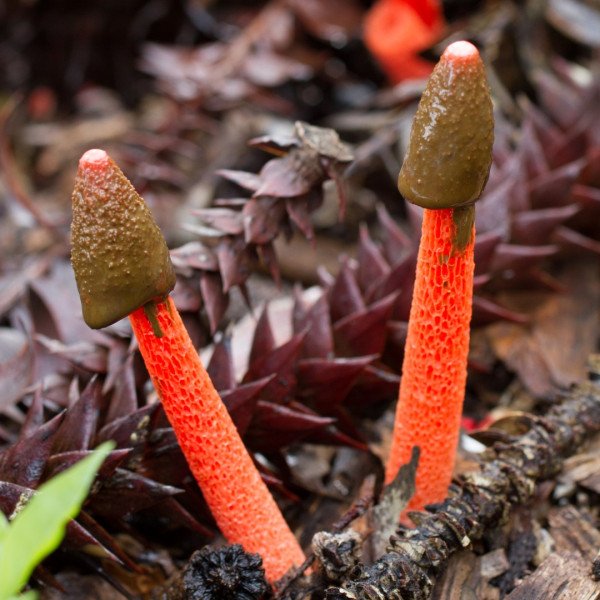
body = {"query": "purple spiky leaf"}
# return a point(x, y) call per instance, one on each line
point(371, 263)
point(572, 146)
point(275, 426)
point(223, 219)
point(275, 144)
point(545, 129)
point(532, 151)
point(123, 400)
point(35, 414)
point(547, 281)
point(305, 165)
point(299, 213)
point(493, 209)
point(262, 219)
point(398, 281)
point(248, 181)
point(535, 227)
point(195, 255)
point(59, 462)
point(344, 295)
point(334, 171)
point(215, 300)
point(162, 459)
point(280, 361)
point(241, 401)
point(485, 246)
point(23, 462)
point(552, 188)
point(85, 355)
point(13, 495)
point(268, 257)
point(324, 383)
point(107, 541)
point(220, 366)
point(315, 323)
point(125, 493)
point(79, 425)
point(292, 175)
point(118, 350)
point(277, 483)
point(77, 537)
point(576, 242)
point(518, 258)
point(235, 265)
point(560, 100)
point(345, 433)
point(396, 243)
point(129, 429)
point(364, 332)
point(376, 382)
point(586, 196)
point(263, 341)
point(173, 513)
point(487, 311)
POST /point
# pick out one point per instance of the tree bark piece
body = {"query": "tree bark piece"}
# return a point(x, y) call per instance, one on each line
point(573, 531)
point(561, 575)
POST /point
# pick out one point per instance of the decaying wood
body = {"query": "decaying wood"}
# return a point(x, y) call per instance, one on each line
point(467, 575)
point(560, 576)
point(523, 450)
point(573, 531)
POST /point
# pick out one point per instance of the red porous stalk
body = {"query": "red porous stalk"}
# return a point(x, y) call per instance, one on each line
point(434, 370)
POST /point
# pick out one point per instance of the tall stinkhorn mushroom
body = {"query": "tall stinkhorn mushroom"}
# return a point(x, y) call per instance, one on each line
point(444, 171)
point(395, 31)
point(122, 267)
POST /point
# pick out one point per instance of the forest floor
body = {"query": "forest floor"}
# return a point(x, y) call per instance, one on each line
point(192, 101)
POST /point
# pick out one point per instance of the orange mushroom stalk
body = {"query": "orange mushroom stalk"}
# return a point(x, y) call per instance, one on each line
point(122, 267)
point(445, 170)
point(396, 31)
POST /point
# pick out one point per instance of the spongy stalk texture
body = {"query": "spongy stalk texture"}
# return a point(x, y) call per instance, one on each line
point(434, 371)
point(239, 500)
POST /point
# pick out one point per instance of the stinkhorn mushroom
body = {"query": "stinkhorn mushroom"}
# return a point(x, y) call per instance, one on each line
point(122, 267)
point(445, 169)
point(396, 31)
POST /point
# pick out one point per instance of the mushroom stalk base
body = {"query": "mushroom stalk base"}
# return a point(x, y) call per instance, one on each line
point(238, 498)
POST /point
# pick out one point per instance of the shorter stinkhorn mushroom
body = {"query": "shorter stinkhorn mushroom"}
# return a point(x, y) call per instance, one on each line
point(444, 171)
point(396, 31)
point(122, 267)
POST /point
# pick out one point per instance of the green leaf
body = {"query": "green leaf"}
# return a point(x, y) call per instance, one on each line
point(39, 528)
point(4, 524)
point(31, 595)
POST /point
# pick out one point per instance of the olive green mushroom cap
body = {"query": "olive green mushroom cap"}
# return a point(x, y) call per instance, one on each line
point(120, 257)
point(449, 156)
